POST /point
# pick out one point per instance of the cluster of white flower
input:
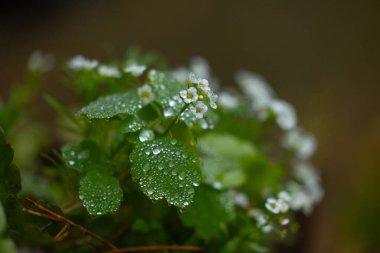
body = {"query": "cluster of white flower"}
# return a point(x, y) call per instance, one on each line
point(279, 205)
point(146, 94)
point(135, 69)
point(40, 62)
point(79, 62)
point(307, 191)
point(109, 71)
point(300, 142)
point(263, 101)
point(197, 95)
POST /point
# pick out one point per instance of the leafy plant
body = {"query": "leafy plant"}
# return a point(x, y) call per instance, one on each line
point(157, 161)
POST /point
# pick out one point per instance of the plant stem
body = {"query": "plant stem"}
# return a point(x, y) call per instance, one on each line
point(56, 217)
point(176, 119)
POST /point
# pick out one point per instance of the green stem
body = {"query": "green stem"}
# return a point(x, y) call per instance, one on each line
point(176, 119)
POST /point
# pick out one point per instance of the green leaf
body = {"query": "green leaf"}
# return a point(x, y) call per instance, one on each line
point(165, 168)
point(84, 156)
point(112, 105)
point(3, 221)
point(167, 92)
point(224, 144)
point(210, 212)
point(10, 182)
point(7, 246)
point(223, 157)
point(131, 124)
point(100, 193)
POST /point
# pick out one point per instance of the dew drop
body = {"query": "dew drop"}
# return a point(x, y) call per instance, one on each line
point(156, 151)
point(146, 135)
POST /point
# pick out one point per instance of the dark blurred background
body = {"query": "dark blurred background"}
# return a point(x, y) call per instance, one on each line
point(322, 56)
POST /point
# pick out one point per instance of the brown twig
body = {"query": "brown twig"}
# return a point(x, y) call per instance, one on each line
point(155, 248)
point(40, 214)
point(59, 218)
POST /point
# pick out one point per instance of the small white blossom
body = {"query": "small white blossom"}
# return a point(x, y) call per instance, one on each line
point(285, 196)
point(241, 199)
point(256, 88)
point(190, 95)
point(199, 109)
point(311, 180)
point(203, 85)
point(300, 199)
point(302, 143)
point(146, 94)
point(200, 67)
point(40, 62)
point(180, 74)
point(213, 99)
point(108, 71)
point(228, 101)
point(273, 205)
point(79, 62)
point(260, 217)
point(286, 117)
point(267, 228)
point(284, 221)
point(193, 78)
point(135, 70)
point(284, 207)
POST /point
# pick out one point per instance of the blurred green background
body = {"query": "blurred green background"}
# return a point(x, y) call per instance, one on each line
point(322, 56)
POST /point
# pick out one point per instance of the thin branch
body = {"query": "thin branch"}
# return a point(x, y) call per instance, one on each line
point(60, 218)
point(40, 214)
point(155, 248)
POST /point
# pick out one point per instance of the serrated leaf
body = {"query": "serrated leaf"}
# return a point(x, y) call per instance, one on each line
point(100, 193)
point(84, 156)
point(165, 168)
point(167, 91)
point(112, 105)
point(3, 221)
point(210, 212)
point(223, 158)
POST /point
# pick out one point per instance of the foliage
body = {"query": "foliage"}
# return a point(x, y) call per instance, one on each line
point(156, 159)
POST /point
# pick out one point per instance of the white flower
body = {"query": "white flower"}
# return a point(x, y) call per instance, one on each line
point(200, 67)
point(284, 207)
point(284, 221)
point(108, 71)
point(302, 143)
point(285, 196)
point(40, 62)
point(267, 228)
point(286, 117)
point(256, 88)
point(190, 95)
point(79, 63)
point(260, 217)
point(273, 205)
point(199, 109)
point(227, 100)
point(213, 98)
point(300, 199)
point(135, 70)
point(241, 199)
point(311, 180)
point(180, 74)
point(146, 94)
point(193, 78)
point(203, 85)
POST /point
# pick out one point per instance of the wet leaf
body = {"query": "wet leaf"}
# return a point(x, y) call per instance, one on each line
point(100, 193)
point(166, 169)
